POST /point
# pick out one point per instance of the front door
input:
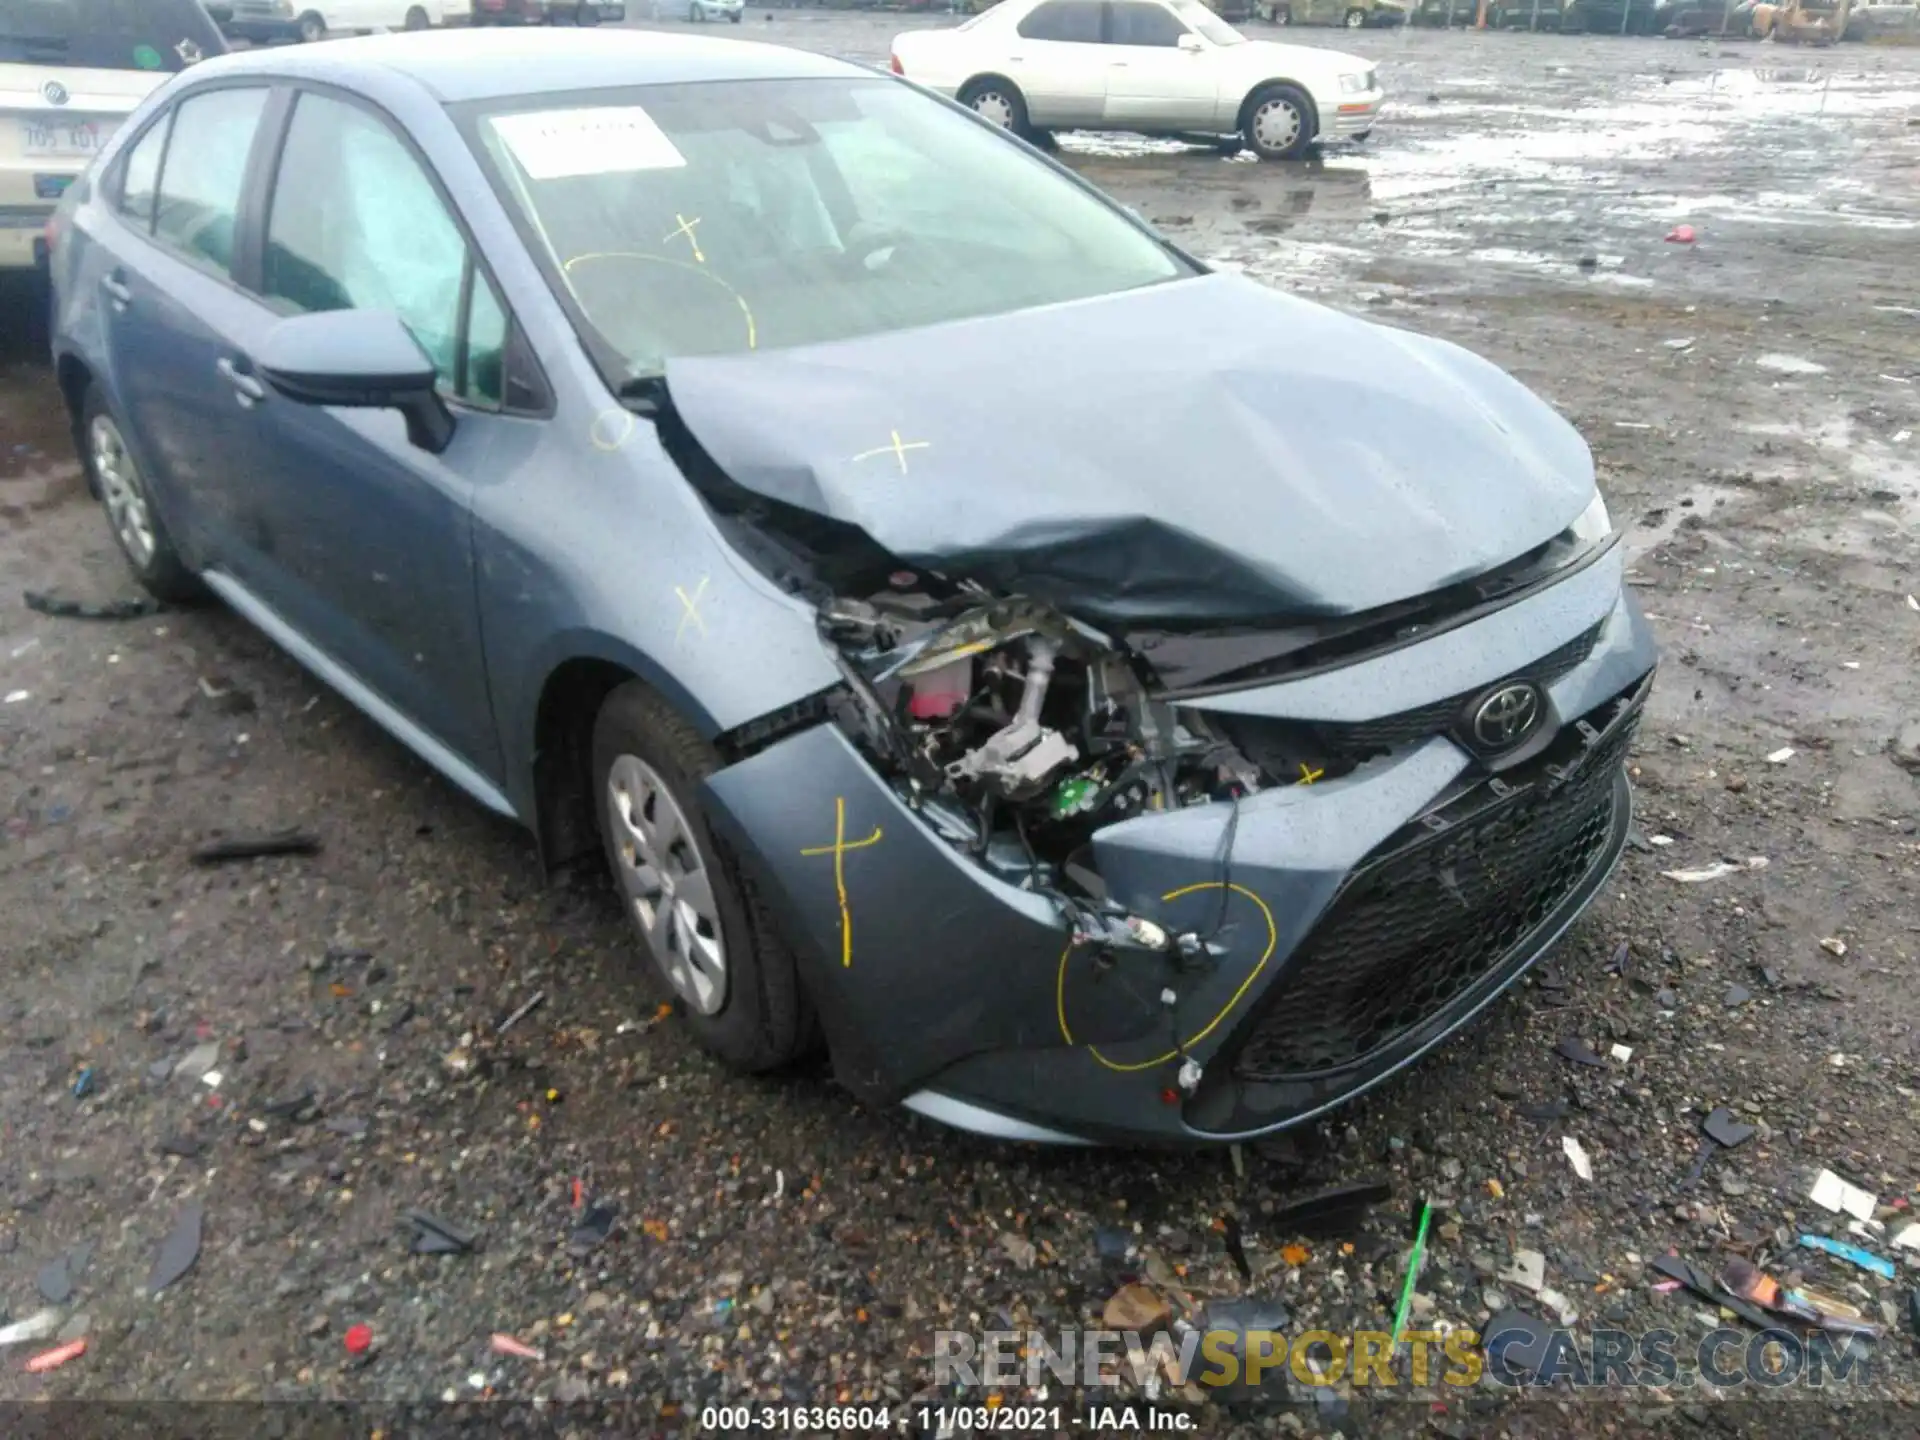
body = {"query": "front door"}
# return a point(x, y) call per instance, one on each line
point(1059, 64)
point(371, 554)
point(1151, 82)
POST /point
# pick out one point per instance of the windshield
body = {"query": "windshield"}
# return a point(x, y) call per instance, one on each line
point(1199, 17)
point(709, 219)
point(160, 35)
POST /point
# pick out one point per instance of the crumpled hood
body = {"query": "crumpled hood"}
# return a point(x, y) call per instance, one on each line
point(1207, 450)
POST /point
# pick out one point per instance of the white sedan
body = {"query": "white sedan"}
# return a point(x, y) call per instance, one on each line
point(1157, 67)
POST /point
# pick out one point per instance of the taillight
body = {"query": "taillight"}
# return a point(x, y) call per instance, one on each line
point(893, 64)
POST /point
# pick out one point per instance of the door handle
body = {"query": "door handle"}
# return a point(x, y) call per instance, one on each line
point(247, 390)
point(117, 291)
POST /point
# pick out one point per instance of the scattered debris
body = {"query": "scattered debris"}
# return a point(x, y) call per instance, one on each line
point(1334, 1211)
point(1790, 365)
point(1736, 996)
point(1295, 1255)
point(1528, 1271)
point(37, 1326)
point(1781, 756)
point(1622, 1053)
point(1516, 1344)
point(1723, 1129)
point(83, 1084)
point(1577, 1156)
point(1834, 947)
point(1719, 870)
point(57, 1277)
point(359, 1339)
point(1579, 1052)
point(1830, 1192)
point(1865, 1259)
point(179, 1250)
point(504, 1344)
point(539, 999)
point(53, 1359)
point(1908, 1236)
point(61, 608)
point(1681, 235)
point(1138, 1308)
point(199, 1060)
point(592, 1231)
point(1707, 1288)
point(1020, 1250)
point(434, 1236)
point(250, 847)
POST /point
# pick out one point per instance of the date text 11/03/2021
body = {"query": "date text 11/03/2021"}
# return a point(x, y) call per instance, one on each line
point(940, 1419)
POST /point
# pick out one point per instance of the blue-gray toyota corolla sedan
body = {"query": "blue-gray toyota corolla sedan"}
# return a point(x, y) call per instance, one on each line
point(1099, 698)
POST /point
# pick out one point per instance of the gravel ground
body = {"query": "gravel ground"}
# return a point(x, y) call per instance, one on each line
point(1752, 398)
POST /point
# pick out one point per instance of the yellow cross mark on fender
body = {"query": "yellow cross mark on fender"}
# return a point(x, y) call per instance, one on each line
point(1308, 774)
point(897, 448)
point(686, 227)
point(690, 606)
point(838, 849)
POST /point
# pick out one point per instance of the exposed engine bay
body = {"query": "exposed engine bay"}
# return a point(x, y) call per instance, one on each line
point(1017, 731)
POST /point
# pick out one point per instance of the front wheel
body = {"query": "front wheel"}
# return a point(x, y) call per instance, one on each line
point(999, 101)
point(312, 28)
point(1355, 19)
point(417, 19)
point(1278, 122)
point(1283, 14)
point(709, 936)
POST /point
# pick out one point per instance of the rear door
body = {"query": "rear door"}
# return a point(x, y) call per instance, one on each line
point(70, 72)
point(165, 266)
point(1057, 60)
point(1151, 82)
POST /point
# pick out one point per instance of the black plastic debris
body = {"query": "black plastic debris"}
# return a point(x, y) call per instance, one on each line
point(58, 1276)
point(1236, 1248)
point(1112, 1243)
point(61, 608)
point(1723, 1129)
point(179, 1250)
point(1334, 1211)
point(1666, 999)
point(352, 1126)
point(434, 1236)
point(1737, 995)
point(592, 1231)
point(183, 1145)
point(1544, 1110)
point(250, 847)
point(1578, 1052)
point(1913, 1311)
point(1249, 1315)
point(1516, 1344)
point(302, 1107)
point(1707, 1288)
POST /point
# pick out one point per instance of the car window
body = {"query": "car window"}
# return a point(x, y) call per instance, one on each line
point(693, 219)
point(1075, 21)
point(1142, 25)
point(483, 380)
point(1199, 17)
point(356, 224)
point(140, 174)
point(159, 35)
point(200, 178)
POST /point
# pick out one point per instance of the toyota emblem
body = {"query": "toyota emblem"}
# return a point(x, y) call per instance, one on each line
point(1506, 717)
point(54, 92)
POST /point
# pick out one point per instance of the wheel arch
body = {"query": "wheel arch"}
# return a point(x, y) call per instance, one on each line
point(985, 77)
point(1253, 92)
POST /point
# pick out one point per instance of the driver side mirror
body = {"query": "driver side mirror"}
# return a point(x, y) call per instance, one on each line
point(365, 359)
point(1192, 43)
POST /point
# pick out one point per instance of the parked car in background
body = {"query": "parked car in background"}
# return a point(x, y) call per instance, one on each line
point(696, 10)
point(502, 12)
point(1617, 17)
point(1352, 14)
point(263, 22)
point(572, 404)
point(1154, 67)
point(1547, 15)
point(70, 72)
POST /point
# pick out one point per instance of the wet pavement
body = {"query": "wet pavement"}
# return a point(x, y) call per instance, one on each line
point(1753, 399)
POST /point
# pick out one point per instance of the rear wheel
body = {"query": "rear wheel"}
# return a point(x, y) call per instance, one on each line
point(312, 27)
point(1356, 19)
point(1283, 14)
point(137, 527)
point(708, 935)
point(1000, 101)
point(1278, 122)
point(417, 19)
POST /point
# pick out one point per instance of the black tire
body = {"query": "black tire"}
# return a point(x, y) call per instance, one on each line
point(1278, 146)
point(155, 563)
point(764, 1020)
point(313, 27)
point(1283, 14)
point(1355, 19)
point(417, 19)
point(735, 16)
point(1004, 104)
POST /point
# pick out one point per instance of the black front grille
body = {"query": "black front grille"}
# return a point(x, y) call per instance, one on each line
point(1278, 747)
point(1419, 926)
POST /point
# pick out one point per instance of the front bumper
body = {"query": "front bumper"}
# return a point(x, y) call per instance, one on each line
point(1357, 922)
point(1352, 118)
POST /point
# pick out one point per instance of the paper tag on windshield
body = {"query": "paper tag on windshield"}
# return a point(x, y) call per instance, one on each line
point(604, 140)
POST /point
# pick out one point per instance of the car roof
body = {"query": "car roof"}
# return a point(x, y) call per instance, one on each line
point(502, 63)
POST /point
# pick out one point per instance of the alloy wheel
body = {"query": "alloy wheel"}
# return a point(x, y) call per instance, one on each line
point(668, 882)
point(120, 488)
